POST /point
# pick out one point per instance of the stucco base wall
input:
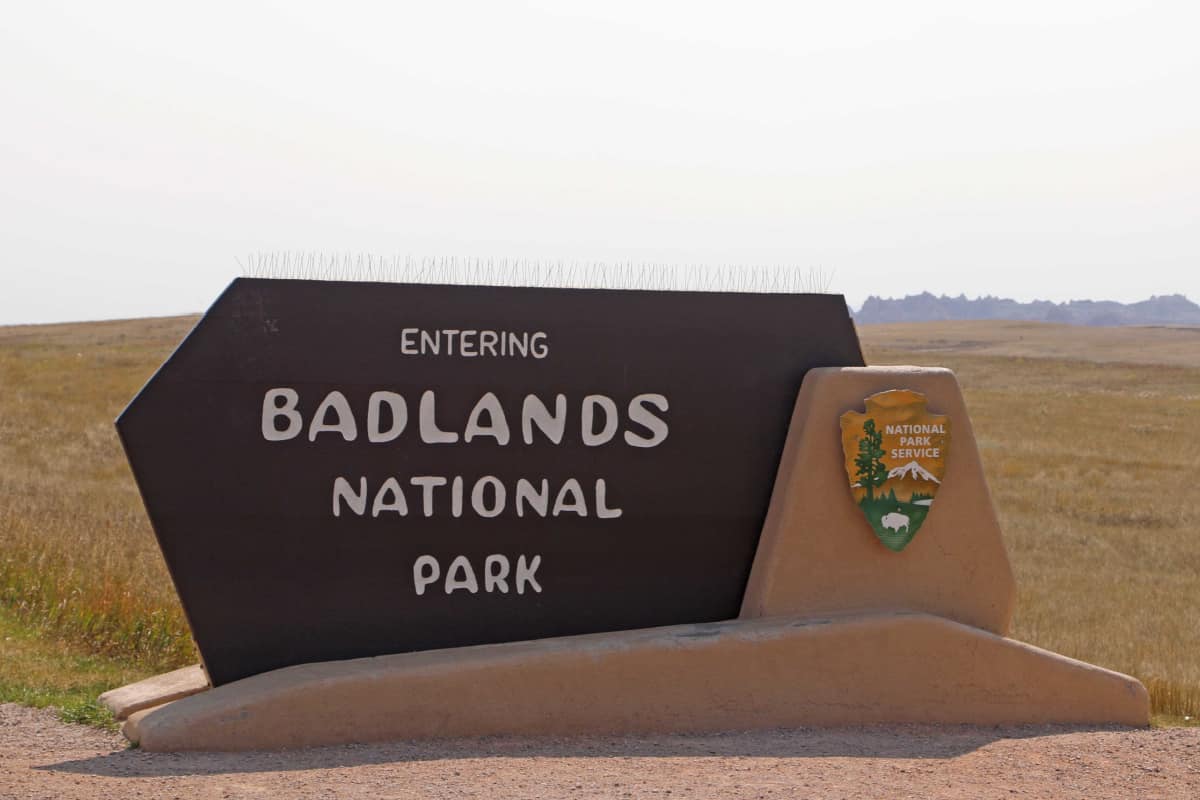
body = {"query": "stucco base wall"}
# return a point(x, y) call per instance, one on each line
point(745, 674)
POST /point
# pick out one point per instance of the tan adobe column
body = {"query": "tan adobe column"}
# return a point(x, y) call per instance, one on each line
point(817, 553)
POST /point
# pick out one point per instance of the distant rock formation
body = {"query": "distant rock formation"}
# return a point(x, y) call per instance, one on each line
point(1172, 309)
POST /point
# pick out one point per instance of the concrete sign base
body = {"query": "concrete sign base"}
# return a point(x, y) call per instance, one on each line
point(835, 629)
point(777, 672)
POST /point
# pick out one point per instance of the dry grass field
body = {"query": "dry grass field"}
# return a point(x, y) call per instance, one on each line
point(1160, 345)
point(80, 574)
point(1091, 440)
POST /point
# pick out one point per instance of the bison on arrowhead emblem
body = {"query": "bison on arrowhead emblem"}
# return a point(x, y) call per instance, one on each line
point(895, 460)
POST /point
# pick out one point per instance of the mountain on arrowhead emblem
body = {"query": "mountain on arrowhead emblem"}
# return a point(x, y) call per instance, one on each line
point(912, 471)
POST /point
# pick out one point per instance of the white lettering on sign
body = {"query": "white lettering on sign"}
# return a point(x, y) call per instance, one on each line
point(343, 419)
point(641, 415)
point(591, 404)
point(916, 440)
point(534, 412)
point(474, 343)
point(921, 452)
point(281, 403)
point(936, 427)
point(462, 576)
point(594, 420)
point(430, 432)
point(497, 425)
point(599, 419)
point(396, 407)
point(488, 498)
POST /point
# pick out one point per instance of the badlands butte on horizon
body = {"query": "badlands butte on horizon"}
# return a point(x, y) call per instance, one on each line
point(1173, 309)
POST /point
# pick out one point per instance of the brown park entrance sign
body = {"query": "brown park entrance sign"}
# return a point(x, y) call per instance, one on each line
point(340, 469)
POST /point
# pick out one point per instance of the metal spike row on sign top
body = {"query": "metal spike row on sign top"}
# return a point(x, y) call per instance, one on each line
point(527, 272)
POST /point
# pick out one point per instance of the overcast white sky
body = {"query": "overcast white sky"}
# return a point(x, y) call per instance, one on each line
point(1025, 149)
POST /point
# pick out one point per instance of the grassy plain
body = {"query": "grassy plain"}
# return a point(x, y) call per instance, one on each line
point(1171, 346)
point(1093, 462)
point(1090, 437)
point(80, 573)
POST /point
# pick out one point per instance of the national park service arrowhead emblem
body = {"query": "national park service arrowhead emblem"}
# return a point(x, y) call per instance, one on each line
point(895, 459)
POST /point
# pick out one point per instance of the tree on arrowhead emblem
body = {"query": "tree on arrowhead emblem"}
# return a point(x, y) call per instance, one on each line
point(871, 470)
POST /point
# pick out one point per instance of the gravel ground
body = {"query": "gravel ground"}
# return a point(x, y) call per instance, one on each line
point(41, 757)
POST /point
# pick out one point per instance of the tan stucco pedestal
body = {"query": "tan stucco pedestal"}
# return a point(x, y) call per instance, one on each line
point(835, 629)
point(817, 552)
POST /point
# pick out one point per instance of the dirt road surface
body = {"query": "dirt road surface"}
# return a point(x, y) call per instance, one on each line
point(41, 757)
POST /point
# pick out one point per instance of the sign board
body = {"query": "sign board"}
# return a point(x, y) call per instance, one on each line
point(342, 469)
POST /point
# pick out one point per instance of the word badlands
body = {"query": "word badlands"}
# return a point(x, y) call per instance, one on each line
point(387, 418)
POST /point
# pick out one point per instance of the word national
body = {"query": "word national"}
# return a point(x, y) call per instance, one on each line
point(487, 497)
point(914, 428)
